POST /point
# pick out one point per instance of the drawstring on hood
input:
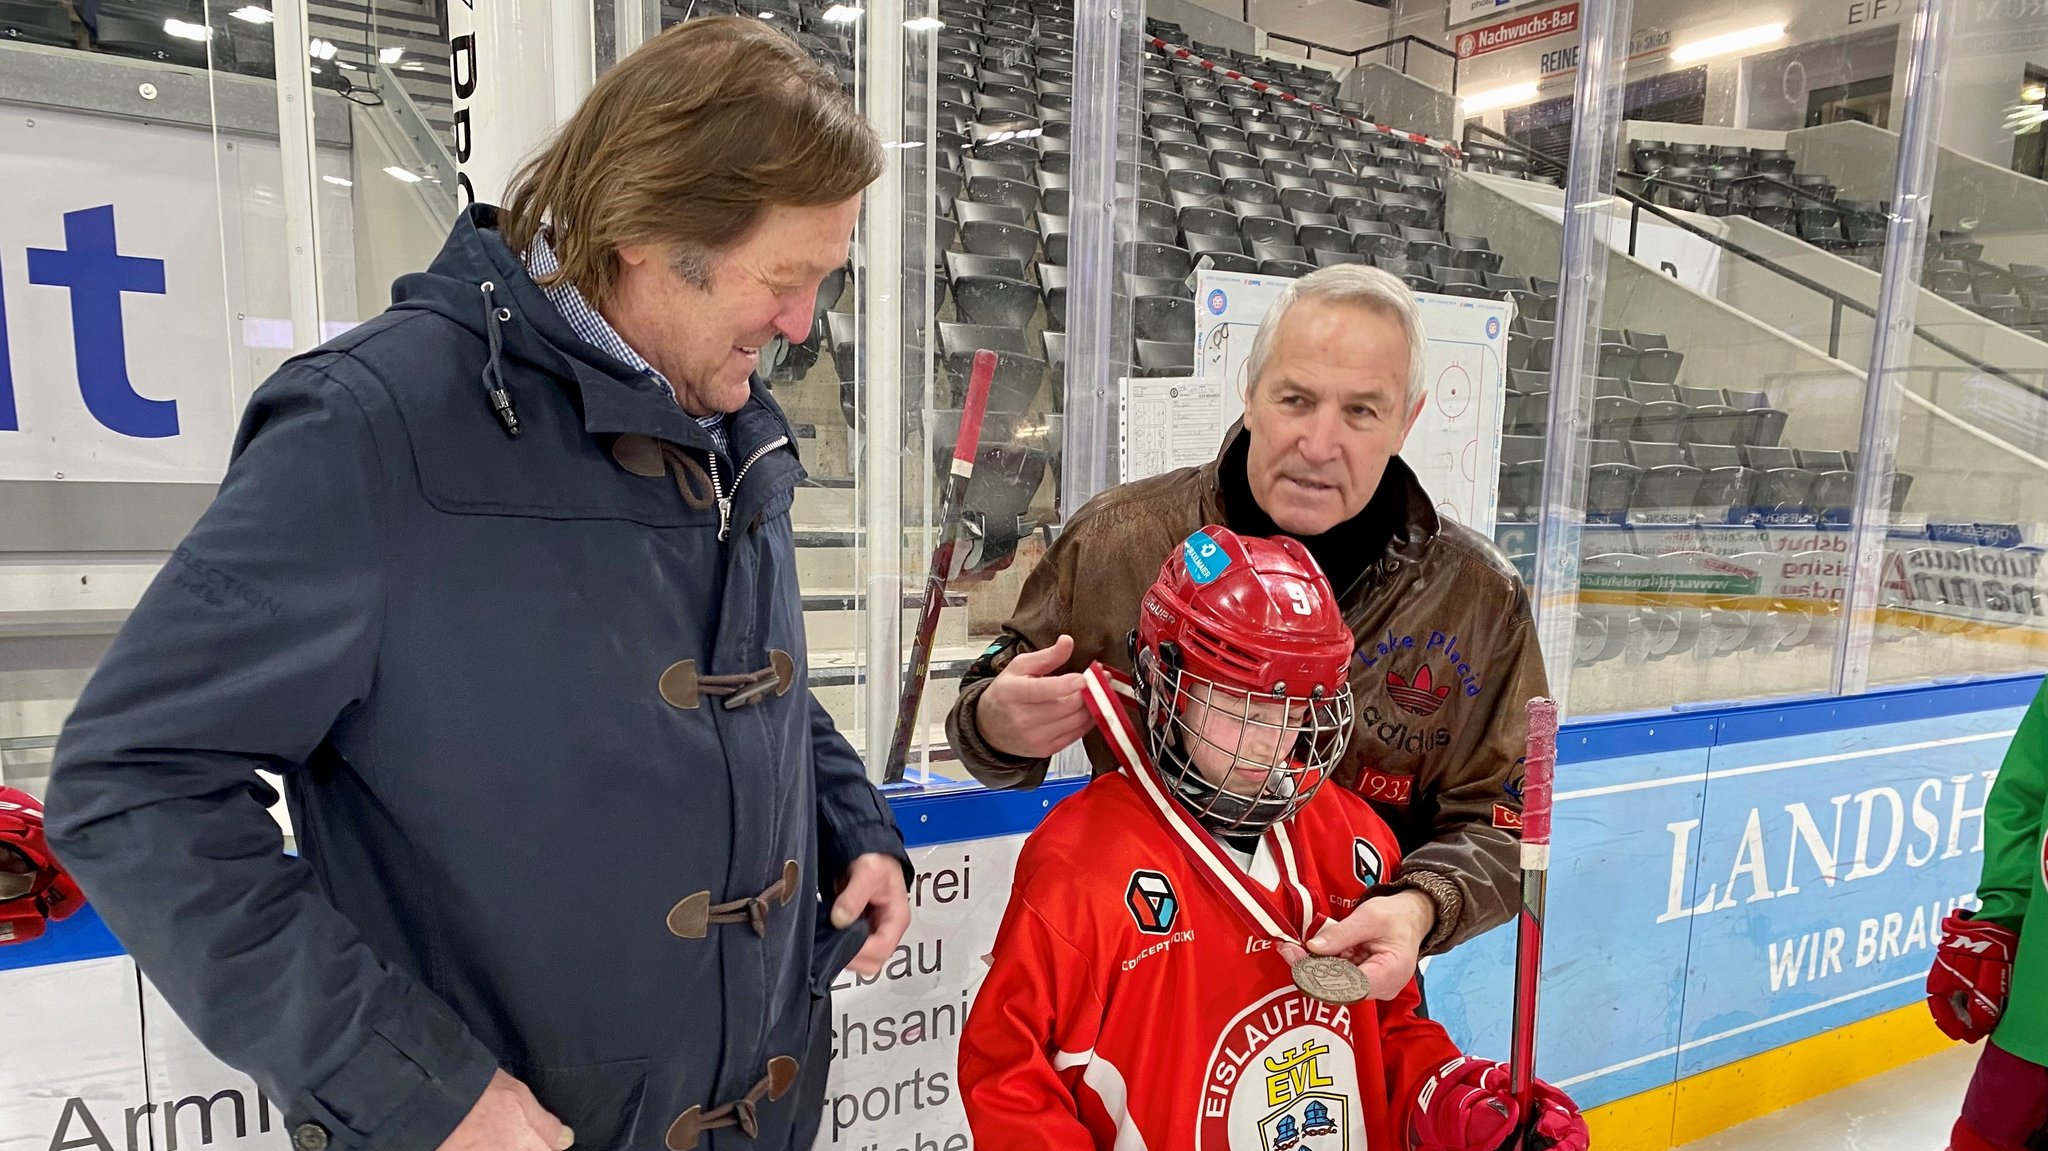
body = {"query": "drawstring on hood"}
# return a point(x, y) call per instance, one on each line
point(494, 374)
point(529, 343)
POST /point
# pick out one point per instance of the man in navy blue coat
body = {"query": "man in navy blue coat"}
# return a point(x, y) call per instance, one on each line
point(502, 583)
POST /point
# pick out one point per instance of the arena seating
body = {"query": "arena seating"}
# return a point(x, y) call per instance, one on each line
point(1767, 186)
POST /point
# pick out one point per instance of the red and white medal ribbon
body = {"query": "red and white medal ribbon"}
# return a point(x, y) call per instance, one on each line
point(1290, 913)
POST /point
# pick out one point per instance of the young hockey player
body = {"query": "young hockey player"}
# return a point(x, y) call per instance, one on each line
point(1148, 987)
point(1990, 975)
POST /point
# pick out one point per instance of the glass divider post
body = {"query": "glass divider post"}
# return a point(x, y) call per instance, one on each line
point(1105, 34)
point(1891, 343)
point(879, 444)
point(295, 147)
point(1588, 221)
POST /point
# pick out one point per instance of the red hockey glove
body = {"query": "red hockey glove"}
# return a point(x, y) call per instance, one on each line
point(34, 887)
point(1972, 974)
point(1466, 1106)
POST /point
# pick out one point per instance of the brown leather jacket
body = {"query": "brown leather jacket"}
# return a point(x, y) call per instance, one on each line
point(1446, 662)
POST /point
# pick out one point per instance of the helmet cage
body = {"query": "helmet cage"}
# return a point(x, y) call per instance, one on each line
point(1297, 740)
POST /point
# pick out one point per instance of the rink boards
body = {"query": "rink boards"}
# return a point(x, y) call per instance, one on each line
point(1725, 884)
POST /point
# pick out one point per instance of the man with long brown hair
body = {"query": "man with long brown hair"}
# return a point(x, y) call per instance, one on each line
point(503, 584)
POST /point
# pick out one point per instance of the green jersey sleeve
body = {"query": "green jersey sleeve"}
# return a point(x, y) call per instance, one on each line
point(2013, 819)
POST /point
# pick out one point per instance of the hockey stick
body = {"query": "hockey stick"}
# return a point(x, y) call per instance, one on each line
point(951, 499)
point(1538, 770)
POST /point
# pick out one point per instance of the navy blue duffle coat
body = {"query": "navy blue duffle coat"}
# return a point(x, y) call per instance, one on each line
point(495, 675)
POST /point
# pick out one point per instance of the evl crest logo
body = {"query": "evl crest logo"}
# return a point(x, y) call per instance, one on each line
point(91, 267)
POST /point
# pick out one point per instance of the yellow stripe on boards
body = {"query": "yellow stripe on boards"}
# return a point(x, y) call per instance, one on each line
point(1712, 1101)
point(1637, 1123)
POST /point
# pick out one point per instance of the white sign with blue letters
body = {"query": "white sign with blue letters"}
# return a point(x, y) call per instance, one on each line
point(115, 331)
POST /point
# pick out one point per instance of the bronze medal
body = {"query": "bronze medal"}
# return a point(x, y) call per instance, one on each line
point(1332, 979)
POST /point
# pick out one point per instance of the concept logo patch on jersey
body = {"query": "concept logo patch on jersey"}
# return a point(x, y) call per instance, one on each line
point(1366, 859)
point(1152, 902)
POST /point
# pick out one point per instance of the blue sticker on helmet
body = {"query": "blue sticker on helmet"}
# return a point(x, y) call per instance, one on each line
point(1205, 558)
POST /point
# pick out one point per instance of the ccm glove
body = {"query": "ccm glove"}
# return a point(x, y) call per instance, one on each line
point(1971, 977)
point(1466, 1106)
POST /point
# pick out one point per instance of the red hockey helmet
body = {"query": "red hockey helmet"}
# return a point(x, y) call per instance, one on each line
point(34, 887)
point(1243, 657)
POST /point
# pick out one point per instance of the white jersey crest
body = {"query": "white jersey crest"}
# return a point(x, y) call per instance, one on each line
point(1283, 1077)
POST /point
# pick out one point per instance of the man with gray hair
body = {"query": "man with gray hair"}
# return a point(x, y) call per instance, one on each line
point(1446, 654)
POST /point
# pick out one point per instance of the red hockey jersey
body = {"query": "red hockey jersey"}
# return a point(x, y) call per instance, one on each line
point(1130, 1005)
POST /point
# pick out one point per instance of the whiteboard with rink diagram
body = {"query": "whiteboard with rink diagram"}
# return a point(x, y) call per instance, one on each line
point(1454, 448)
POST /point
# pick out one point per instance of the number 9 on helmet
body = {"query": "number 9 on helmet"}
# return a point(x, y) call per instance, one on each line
point(1242, 659)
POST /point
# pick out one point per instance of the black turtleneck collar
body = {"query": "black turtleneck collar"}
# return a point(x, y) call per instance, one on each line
point(1343, 552)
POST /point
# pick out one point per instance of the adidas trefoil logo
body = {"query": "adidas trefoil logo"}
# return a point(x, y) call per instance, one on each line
point(1421, 697)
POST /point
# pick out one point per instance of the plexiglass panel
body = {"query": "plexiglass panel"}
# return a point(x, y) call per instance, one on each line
point(1962, 590)
point(964, 246)
point(142, 243)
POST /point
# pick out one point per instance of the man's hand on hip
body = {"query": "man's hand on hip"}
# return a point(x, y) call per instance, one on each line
point(1384, 937)
point(874, 889)
point(506, 1117)
point(1031, 710)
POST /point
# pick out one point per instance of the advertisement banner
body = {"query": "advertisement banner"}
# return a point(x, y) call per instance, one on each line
point(1721, 886)
point(896, 1036)
point(1735, 897)
point(142, 295)
point(73, 1074)
point(1943, 572)
point(1553, 21)
point(1642, 44)
point(116, 310)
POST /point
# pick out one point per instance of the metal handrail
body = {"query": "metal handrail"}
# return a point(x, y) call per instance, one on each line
point(1355, 53)
point(1702, 187)
point(1659, 180)
point(1405, 41)
point(1838, 302)
point(413, 123)
point(1795, 189)
point(1706, 187)
point(1640, 204)
point(1556, 167)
